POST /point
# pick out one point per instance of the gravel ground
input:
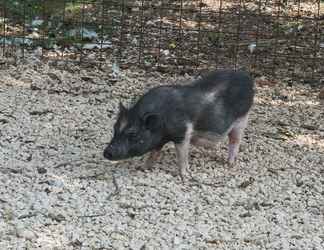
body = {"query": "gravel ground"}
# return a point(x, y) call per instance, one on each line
point(57, 191)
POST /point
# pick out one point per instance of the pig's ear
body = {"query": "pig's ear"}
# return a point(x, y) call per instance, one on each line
point(122, 109)
point(153, 121)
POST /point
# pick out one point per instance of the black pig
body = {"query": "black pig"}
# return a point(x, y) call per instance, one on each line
point(200, 114)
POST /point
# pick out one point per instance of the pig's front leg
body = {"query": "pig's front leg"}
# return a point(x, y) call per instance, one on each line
point(182, 150)
point(153, 157)
point(235, 136)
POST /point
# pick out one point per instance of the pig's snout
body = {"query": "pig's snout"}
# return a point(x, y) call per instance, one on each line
point(115, 152)
point(110, 152)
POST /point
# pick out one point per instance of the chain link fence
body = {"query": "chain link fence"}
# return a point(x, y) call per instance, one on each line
point(274, 38)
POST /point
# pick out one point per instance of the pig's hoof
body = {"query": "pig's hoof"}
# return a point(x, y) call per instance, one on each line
point(183, 179)
point(147, 166)
point(185, 176)
point(143, 168)
point(231, 162)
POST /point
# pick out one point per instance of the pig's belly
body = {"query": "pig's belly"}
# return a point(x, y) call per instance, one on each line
point(210, 138)
point(206, 139)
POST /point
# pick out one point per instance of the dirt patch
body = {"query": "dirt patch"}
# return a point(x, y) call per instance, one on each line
point(57, 191)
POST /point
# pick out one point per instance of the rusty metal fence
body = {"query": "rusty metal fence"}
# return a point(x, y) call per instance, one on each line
point(276, 38)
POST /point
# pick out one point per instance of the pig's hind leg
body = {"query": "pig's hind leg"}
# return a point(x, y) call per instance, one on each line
point(235, 135)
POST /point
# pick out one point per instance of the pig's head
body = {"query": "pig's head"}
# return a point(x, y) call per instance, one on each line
point(134, 134)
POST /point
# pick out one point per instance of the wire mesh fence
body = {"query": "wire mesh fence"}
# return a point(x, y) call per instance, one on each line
point(277, 38)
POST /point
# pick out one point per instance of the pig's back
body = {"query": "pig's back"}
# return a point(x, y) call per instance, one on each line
point(224, 79)
point(219, 99)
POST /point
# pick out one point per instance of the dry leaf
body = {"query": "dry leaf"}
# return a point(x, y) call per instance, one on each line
point(321, 94)
point(263, 81)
